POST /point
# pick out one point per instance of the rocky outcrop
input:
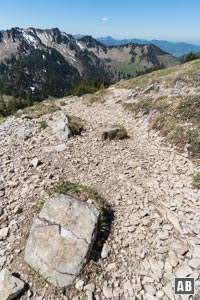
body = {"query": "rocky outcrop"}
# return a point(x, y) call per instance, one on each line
point(59, 125)
point(61, 239)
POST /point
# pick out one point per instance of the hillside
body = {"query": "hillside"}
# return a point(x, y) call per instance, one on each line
point(150, 182)
point(130, 58)
point(39, 63)
point(176, 49)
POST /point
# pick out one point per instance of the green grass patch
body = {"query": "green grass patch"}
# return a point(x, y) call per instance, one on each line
point(177, 118)
point(99, 96)
point(122, 133)
point(146, 106)
point(76, 125)
point(42, 108)
point(39, 205)
point(2, 119)
point(36, 277)
point(189, 108)
point(43, 125)
point(187, 72)
point(196, 180)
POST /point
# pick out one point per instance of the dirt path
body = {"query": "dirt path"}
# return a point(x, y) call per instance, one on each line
point(155, 233)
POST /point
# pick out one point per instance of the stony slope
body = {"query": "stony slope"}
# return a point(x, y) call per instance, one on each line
point(155, 232)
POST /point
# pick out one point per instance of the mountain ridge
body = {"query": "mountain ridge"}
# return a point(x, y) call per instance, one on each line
point(177, 49)
point(37, 63)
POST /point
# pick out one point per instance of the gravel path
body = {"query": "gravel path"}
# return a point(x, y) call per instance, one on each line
point(155, 232)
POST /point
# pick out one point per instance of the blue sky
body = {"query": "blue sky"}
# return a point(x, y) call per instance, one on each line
point(175, 20)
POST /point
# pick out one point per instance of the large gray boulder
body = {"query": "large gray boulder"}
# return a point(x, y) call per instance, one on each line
point(10, 286)
point(59, 125)
point(61, 239)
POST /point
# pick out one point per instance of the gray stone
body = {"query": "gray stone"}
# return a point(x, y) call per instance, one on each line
point(168, 290)
point(60, 126)
point(105, 251)
point(163, 235)
point(89, 295)
point(128, 287)
point(150, 289)
point(90, 287)
point(56, 148)
point(10, 286)
point(61, 239)
point(148, 89)
point(4, 233)
point(79, 285)
point(184, 271)
point(19, 112)
point(174, 220)
point(180, 247)
point(194, 263)
point(107, 292)
point(24, 134)
point(150, 297)
point(159, 294)
point(35, 162)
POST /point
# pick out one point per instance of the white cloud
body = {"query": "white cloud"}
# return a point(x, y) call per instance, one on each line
point(104, 19)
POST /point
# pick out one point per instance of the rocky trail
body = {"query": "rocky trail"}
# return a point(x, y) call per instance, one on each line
point(155, 233)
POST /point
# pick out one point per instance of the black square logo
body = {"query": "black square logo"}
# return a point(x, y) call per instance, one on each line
point(184, 286)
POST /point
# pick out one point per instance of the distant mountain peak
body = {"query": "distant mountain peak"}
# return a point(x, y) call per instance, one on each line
point(177, 49)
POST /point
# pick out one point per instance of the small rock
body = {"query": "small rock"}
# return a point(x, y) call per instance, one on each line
point(105, 251)
point(128, 288)
point(19, 112)
point(107, 292)
point(159, 294)
point(10, 286)
point(184, 271)
point(150, 289)
point(4, 233)
point(180, 248)
point(174, 220)
point(150, 297)
point(194, 263)
point(163, 235)
point(79, 285)
point(168, 290)
point(111, 267)
point(89, 295)
point(34, 162)
point(90, 287)
point(57, 148)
